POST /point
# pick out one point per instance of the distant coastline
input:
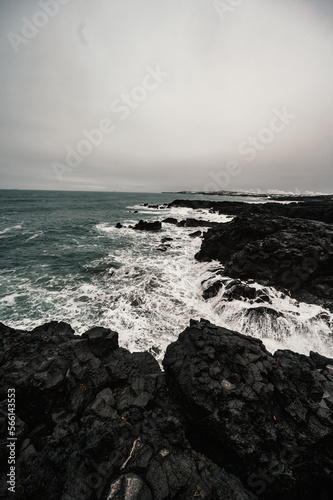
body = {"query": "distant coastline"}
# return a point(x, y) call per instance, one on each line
point(276, 197)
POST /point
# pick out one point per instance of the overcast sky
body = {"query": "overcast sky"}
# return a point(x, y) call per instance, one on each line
point(190, 94)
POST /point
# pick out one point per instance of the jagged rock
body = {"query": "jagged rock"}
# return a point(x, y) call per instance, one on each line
point(238, 290)
point(255, 312)
point(195, 234)
point(196, 223)
point(267, 419)
point(148, 226)
point(119, 225)
point(89, 415)
point(312, 209)
point(212, 290)
point(291, 254)
point(170, 220)
point(96, 421)
point(101, 341)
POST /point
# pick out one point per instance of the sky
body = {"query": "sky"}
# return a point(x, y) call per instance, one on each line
point(166, 95)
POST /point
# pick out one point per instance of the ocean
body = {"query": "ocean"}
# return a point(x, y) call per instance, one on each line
point(61, 258)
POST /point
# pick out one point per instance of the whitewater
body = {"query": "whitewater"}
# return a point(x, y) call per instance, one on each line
point(64, 259)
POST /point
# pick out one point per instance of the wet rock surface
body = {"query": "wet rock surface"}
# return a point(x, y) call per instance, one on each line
point(319, 210)
point(267, 419)
point(96, 421)
point(196, 234)
point(148, 226)
point(226, 420)
point(189, 222)
point(290, 254)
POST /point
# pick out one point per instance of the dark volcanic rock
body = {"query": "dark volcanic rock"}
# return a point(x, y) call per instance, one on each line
point(267, 419)
point(148, 226)
point(212, 290)
point(170, 220)
point(238, 290)
point(119, 225)
point(101, 341)
point(319, 210)
point(196, 223)
point(95, 421)
point(296, 255)
point(195, 234)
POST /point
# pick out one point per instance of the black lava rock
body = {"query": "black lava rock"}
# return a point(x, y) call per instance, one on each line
point(267, 419)
point(170, 220)
point(95, 421)
point(290, 254)
point(312, 209)
point(148, 226)
point(196, 234)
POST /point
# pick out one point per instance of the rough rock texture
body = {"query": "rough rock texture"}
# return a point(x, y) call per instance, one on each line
point(189, 222)
point(296, 255)
point(267, 419)
point(94, 421)
point(196, 223)
point(196, 234)
point(236, 290)
point(148, 226)
point(226, 420)
point(321, 210)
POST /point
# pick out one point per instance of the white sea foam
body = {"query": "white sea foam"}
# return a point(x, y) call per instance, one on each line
point(33, 237)
point(7, 229)
point(9, 300)
point(149, 295)
point(152, 297)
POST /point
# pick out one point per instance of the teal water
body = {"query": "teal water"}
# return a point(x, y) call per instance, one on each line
point(61, 258)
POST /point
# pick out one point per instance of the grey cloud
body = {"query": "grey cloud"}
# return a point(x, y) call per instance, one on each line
point(225, 78)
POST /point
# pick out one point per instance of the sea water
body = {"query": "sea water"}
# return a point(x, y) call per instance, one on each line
point(63, 259)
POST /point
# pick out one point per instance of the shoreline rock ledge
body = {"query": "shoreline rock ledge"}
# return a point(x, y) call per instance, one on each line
point(224, 420)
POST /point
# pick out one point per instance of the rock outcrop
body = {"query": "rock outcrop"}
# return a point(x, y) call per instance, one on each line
point(267, 419)
point(225, 420)
point(290, 254)
point(189, 222)
point(319, 210)
point(95, 421)
point(148, 226)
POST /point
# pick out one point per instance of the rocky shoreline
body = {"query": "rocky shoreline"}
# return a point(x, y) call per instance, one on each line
point(226, 419)
point(288, 246)
point(318, 210)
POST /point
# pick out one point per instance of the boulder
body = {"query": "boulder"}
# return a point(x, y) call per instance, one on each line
point(196, 234)
point(148, 226)
point(170, 220)
point(196, 223)
point(212, 290)
point(239, 290)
